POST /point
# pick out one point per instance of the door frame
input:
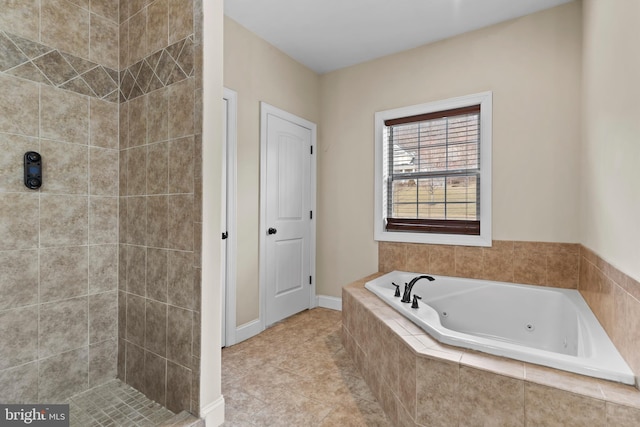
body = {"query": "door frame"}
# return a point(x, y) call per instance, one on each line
point(229, 212)
point(265, 110)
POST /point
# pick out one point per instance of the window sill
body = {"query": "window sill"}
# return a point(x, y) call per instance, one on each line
point(484, 239)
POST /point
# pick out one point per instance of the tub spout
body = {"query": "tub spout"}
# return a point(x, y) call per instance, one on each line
point(408, 286)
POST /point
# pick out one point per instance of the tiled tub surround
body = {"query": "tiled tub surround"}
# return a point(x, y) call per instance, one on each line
point(58, 245)
point(421, 382)
point(613, 296)
point(160, 201)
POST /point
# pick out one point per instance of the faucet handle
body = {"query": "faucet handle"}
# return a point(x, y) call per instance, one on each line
point(397, 294)
point(414, 304)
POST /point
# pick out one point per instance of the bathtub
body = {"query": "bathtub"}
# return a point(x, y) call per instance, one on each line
point(546, 326)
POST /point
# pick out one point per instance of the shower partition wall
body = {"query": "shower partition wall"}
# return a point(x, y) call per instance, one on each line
point(99, 268)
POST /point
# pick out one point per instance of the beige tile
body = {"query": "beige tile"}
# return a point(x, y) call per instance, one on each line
point(19, 385)
point(490, 400)
point(137, 171)
point(181, 109)
point(64, 116)
point(417, 258)
point(138, 36)
point(391, 256)
point(442, 260)
point(155, 374)
point(135, 321)
point(123, 126)
point(632, 338)
point(549, 406)
point(63, 220)
point(157, 25)
point(103, 317)
point(157, 274)
point(468, 262)
point(137, 220)
point(106, 8)
point(134, 372)
point(574, 383)
point(158, 115)
point(178, 387)
point(622, 416)
point(19, 231)
point(62, 326)
point(103, 172)
point(63, 273)
point(103, 220)
point(563, 269)
point(498, 365)
point(19, 284)
point(21, 17)
point(179, 328)
point(156, 327)
point(181, 160)
point(104, 42)
point(529, 264)
point(19, 329)
point(65, 26)
point(180, 19)
point(103, 268)
point(63, 375)
point(103, 126)
point(136, 270)
point(64, 168)
point(103, 359)
point(437, 392)
point(19, 106)
point(13, 148)
point(158, 168)
point(137, 121)
point(407, 382)
point(497, 261)
point(123, 34)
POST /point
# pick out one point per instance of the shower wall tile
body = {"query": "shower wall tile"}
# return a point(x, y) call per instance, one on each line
point(181, 168)
point(179, 340)
point(436, 392)
point(64, 116)
point(137, 170)
point(138, 36)
point(19, 106)
point(21, 17)
point(103, 268)
point(65, 26)
point(20, 384)
point(103, 220)
point(19, 231)
point(103, 358)
point(63, 273)
point(178, 387)
point(19, 331)
point(64, 167)
point(181, 109)
point(107, 9)
point(136, 270)
point(158, 168)
point(157, 274)
point(138, 122)
point(19, 284)
point(134, 366)
point(158, 221)
point(62, 326)
point(137, 220)
point(180, 275)
point(180, 19)
point(104, 41)
point(63, 375)
point(181, 222)
point(135, 319)
point(13, 148)
point(103, 317)
point(158, 113)
point(157, 25)
point(63, 220)
point(103, 172)
point(156, 327)
point(155, 374)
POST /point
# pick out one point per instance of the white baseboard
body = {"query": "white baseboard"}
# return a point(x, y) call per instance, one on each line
point(248, 330)
point(330, 302)
point(213, 413)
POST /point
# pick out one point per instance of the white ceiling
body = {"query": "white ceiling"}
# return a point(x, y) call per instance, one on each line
point(326, 35)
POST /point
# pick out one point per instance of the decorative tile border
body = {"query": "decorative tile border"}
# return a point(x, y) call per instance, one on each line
point(162, 68)
point(39, 63)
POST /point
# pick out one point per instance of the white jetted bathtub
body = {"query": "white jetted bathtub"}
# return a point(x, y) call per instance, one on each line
point(546, 326)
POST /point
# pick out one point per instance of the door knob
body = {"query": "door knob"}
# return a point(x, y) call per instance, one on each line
point(272, 230)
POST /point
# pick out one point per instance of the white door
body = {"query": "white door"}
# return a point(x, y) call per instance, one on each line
point(287, 212)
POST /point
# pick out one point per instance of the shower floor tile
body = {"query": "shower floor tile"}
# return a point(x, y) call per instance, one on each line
point(116, 404)
point(297, 373)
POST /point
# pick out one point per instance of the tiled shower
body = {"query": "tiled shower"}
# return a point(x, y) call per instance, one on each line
point(99, 269)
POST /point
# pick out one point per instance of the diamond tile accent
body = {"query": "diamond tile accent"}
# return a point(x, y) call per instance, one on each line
point(33, 61)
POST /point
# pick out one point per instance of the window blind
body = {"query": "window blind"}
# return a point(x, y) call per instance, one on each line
point(434, 172)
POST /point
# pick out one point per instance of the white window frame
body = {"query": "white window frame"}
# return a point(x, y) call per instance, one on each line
point(485, 100)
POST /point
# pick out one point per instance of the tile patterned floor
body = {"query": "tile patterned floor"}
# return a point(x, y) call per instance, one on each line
point(116, 404)
point(295, 374)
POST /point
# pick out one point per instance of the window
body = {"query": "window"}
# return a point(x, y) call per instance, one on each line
point(433, 172)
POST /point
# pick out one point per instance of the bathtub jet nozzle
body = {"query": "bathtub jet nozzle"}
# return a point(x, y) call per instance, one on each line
point(406, 297)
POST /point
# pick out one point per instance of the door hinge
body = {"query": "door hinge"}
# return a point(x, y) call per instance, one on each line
point(312, 149)
point(310, 280)
point(310, 214)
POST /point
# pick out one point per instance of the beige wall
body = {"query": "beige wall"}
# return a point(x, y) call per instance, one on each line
point(257, 71)
point(610, 196)
point(532, 65)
